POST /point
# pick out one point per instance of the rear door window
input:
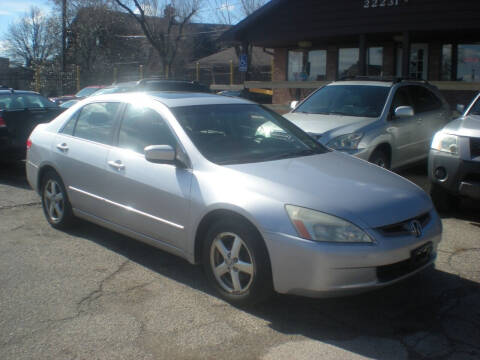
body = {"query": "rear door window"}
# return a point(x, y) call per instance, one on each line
point(95, 122)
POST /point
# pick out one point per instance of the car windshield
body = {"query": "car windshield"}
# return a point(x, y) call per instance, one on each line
point(21, 101)
point(347, 100)
point(86, 91)
point(475, 110)
point(243, 133)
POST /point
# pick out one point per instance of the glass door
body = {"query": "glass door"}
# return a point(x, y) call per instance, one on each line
point(418, 61)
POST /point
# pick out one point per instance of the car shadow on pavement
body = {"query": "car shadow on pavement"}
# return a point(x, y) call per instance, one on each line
point(433, 314)
point(13, 174)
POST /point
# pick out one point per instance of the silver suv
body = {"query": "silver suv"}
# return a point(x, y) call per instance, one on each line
point(454, 160)
point(389, 123)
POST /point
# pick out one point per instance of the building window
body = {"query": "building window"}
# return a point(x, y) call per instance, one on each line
point(295, 65)
point(348, 62)
point(468, 63)
point(418, 61)
point(317, 65)
point(375, 61)
point(446, 62)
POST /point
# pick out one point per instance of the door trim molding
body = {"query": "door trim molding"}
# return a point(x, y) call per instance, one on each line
point(128, 208)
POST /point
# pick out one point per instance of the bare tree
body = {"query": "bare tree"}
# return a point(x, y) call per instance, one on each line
point(230, 11)
point(163, 23)
point(32, 39)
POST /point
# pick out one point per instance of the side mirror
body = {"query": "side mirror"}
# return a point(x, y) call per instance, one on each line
point(162, 154)
point(293, 104)
point(404, 112)
point(460, 108)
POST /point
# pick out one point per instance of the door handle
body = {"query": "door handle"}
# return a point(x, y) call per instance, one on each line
point(62, 147)
point(117, 164)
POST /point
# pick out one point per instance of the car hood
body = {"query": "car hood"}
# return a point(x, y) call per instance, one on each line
point(464, 126)
point(335, 183)
point(319, 124)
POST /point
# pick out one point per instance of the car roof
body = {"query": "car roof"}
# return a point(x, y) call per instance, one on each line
point(9, 92)
point(363, 83)
point(176, 98)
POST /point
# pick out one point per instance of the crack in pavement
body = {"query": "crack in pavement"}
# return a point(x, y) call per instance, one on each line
point(8, 207)
point(97, 293)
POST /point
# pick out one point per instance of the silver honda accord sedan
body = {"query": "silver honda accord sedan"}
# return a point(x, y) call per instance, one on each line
point(232, 185)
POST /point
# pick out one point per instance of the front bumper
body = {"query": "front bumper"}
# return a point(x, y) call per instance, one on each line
point(315, 269)
point(462, 175)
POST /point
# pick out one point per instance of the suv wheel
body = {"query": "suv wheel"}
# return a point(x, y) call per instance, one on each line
point(236, 262)
point(55, 203)
point(443, 200)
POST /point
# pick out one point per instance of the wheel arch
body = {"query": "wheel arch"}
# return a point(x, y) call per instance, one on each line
point(384, 147)
point(41, 173)
point(210, 218)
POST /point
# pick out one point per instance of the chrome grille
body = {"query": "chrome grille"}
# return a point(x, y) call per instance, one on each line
point(474, 147)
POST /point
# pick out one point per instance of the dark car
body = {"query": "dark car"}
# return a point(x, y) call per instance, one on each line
point(454, 160)
point(261, 96)
point(20, 112)
point(153, 84)
point(82, 94)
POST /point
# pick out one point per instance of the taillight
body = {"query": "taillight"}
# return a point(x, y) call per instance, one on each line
point(29, 144)
point(2, 122)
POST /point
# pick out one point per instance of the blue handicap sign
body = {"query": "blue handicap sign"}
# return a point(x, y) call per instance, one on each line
point(242, 66)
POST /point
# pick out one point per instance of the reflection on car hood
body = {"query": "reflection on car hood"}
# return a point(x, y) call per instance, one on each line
point(337, 184)
point(464, 126)
point(319, 124)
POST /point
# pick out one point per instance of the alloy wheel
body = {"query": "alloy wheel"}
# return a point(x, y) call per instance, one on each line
point(54, 201)
point(232, 263)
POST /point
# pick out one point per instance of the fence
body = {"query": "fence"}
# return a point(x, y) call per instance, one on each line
point(50, 81)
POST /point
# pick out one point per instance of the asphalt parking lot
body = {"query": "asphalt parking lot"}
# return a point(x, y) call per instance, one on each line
point(93, 294)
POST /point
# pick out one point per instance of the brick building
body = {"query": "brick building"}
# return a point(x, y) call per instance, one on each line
point(316, 41)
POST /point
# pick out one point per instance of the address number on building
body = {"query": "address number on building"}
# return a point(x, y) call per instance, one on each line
point(382, 3)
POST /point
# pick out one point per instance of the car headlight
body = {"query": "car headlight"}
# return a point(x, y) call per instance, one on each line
point(345, 142)
point(318, 226)
point(445, 142)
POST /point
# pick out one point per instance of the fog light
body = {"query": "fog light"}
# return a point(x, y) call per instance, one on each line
point(440, 173)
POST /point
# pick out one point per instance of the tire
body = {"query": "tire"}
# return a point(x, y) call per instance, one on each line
point(380, 158)
point(55, 203)
point(243, 277)
point(443, 200)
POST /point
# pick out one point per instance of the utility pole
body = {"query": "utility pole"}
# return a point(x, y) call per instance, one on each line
point(64, 33)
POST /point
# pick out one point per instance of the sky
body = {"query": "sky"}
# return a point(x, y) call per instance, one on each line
point(13, 9)
point(10, 10)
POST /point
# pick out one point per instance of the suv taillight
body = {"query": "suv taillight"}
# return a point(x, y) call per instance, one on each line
point(29, 144)
point(2, 122)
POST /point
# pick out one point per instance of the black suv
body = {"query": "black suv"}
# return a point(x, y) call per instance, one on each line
point(154, 84)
